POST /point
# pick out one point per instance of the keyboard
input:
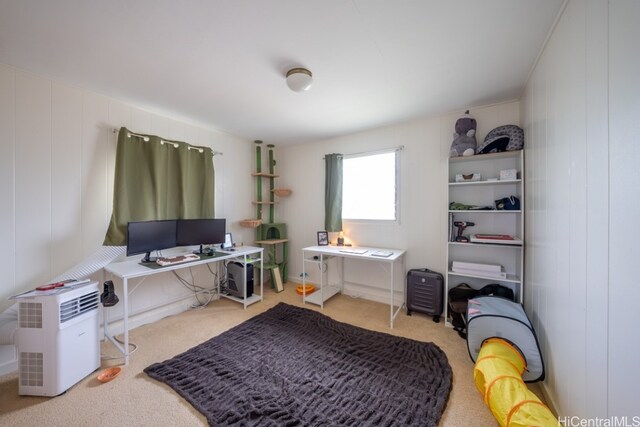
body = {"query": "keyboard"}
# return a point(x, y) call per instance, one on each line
point(164, 261)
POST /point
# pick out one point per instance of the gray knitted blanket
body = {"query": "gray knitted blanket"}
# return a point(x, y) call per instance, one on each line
point(292, 366)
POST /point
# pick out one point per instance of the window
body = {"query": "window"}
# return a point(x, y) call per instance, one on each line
point(369, 185)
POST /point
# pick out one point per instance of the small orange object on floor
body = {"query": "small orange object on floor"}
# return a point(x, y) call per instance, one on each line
point(108, 374)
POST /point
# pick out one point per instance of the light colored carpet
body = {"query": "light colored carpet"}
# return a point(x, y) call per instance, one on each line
point(134, 399)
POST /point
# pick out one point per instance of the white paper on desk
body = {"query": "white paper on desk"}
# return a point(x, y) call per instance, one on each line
point(384, 254)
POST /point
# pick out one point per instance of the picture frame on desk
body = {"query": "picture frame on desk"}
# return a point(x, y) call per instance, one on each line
point(228, 241)
point(323, 238)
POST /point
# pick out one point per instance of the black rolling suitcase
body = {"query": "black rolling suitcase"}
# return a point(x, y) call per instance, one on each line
point(424, 292)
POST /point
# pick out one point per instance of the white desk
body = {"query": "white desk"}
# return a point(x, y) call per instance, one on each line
point(130, 269)
point(324, 253)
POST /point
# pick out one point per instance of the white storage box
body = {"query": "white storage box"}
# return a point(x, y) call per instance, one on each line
point(508, 175)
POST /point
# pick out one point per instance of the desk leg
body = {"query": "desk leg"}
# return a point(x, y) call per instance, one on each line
point(219, 271)
point(304, 279)
point(341, 274)
point(393, 313)
point(403, 277)
point(125, 320)
point(244, 281)
point(322, 280)
point(391, 285)
point(125, 323)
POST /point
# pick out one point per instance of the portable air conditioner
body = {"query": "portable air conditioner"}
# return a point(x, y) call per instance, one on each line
point(57, 339)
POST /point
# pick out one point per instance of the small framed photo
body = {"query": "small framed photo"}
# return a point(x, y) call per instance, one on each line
point(323, 238)
point(228, 241)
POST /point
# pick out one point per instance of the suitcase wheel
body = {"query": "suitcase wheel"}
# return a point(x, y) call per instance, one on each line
point(436, 319)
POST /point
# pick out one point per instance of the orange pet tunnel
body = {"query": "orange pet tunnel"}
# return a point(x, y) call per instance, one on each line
point(498, 376)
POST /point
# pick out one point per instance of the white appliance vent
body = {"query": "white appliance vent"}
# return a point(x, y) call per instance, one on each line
point(30, 315)
point(77, 306)
point(31, 372)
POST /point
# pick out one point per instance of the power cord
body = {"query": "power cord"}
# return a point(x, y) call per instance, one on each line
point(196, 290)
point(223, 282)
point(352, 295)
point(135, 347)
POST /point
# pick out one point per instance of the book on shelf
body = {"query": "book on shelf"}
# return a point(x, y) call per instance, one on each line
point(483, 273)
point(476, 266)
point(495, 236)
point(499, 239)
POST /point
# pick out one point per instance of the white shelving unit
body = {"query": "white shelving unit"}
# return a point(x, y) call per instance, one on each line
point(485, 193)
point(323, 292)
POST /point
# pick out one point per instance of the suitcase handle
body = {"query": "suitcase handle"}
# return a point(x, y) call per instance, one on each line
point(423, 270)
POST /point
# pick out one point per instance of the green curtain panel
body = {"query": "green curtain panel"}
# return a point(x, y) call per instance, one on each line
point(158, 179)
point(333, 192)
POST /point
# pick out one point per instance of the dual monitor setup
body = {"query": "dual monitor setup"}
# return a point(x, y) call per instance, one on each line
point(144, 237)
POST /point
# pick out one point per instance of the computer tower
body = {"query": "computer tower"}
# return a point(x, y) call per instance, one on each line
point(235, 280)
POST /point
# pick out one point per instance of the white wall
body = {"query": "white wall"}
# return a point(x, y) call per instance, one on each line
point(580, 113)
point(57, 152)
point(624, 206)
point(423, 220)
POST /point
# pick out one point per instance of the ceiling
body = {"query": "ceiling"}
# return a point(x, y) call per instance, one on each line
point(221, 64)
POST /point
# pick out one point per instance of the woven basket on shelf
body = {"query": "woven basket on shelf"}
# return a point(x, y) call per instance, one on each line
point(282, 192)
point(253, 223)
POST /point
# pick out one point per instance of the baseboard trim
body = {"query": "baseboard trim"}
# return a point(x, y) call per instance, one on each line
point(150, 314)
point(547, 398)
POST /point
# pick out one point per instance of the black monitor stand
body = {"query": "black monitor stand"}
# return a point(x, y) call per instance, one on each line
point(148, 258)
point(201, 251)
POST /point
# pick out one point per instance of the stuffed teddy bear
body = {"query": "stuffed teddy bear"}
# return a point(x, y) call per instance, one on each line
point(464, 139)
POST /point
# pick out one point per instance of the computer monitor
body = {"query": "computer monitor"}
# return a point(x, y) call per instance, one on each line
point(201, 232)
point(144, 237)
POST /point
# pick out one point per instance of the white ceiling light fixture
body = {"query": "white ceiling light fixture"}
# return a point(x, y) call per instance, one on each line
point(299, 79)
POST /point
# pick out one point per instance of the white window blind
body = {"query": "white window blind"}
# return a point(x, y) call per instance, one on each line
point(370, 186)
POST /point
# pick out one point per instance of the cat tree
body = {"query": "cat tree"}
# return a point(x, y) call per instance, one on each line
point(270, 235)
